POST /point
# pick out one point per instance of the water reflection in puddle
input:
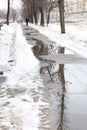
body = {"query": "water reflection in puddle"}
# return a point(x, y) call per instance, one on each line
point(67, 88)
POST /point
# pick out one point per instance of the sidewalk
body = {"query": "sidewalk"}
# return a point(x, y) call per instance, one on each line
point(24, 102)
point(66, 81)
point(39, 95)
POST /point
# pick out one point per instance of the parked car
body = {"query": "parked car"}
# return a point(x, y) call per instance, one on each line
point(1, 24)
point(3, 21)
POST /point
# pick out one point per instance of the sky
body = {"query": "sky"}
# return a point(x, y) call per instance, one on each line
point(14, 3)
point(3, 4)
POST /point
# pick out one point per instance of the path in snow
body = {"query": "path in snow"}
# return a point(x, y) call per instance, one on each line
point(23, 100)
point(67, 91)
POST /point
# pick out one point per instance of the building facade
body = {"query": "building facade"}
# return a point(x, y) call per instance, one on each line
point(74, 9)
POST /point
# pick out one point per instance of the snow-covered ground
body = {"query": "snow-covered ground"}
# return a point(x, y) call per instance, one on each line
point(23, 101)
point(22, 95)
point(74, 39)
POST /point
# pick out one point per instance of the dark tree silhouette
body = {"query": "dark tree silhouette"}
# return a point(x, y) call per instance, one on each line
point(8, 12)
point(61, 12)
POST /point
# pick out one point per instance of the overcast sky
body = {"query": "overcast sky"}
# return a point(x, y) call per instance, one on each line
point(3, 4)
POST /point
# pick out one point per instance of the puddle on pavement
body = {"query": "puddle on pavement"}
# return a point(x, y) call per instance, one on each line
point(67, 89)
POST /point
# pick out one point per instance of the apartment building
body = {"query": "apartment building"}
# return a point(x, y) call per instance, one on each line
point(74, 9)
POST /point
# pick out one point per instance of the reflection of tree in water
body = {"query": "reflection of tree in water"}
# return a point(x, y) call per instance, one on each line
point(56, 73)
point(40, 49)
point(62, 125)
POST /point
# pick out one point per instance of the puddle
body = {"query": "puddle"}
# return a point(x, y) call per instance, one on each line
point(66, 57)
point(66, 86)
point(29, 38)
point(32, 42)
point(40, 49)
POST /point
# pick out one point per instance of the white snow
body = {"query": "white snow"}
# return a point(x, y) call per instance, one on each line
point(74, 39)
point(22, 94)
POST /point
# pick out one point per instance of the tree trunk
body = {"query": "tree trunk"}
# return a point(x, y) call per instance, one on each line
point(8, 12)
point(31, 17)
point(35, 17)
point(48, 17)
point(61, 12)
point(61, 67)
point(42, 16)
point(62, 104)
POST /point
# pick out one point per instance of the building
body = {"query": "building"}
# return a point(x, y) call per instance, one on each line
point(74, 9)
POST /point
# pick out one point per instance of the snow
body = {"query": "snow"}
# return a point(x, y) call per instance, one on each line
point(23, 96)
point(74, 39)
point(75, 74)
point(65, 58)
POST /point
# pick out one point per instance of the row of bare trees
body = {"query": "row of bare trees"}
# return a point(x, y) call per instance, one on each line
point(38, 9)
point(11, 12)
point(34, 9)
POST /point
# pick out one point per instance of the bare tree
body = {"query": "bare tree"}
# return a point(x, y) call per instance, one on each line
point(13, 14)
point(32, 8)
point(50, 5)
point(25, 8)
point(35, 10)
point(61, 12)
point(35, 7)
point(41, 6)
point(8, 12)
point(28, 9)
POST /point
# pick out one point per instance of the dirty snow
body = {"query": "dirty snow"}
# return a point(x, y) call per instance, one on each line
point(22, 96)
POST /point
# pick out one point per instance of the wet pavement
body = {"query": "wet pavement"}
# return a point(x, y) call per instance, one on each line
point(65, 80)
point(61, 89)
